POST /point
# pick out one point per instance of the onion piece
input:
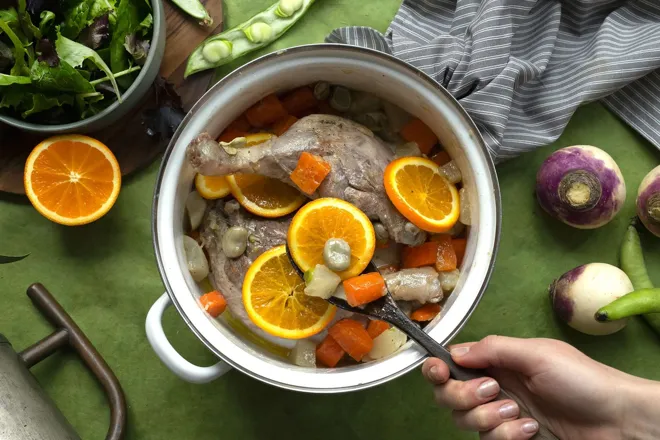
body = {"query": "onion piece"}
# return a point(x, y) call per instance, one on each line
point(449, 280)
point(464, 202)
point(304, 354)
point(196, 208)
point(195, 258)
point(387, 343)
point(451, 172)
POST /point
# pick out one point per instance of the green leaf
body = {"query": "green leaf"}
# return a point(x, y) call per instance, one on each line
point(38, 102)
point(6, 80)
point(9, 16)
point(47, 18)
point(75, 54)
point(6, 56)
point(20, 68)
point(28, 27)
point(146, 24)
point(76, 19)
point(4, 259)
point(62, 78)
point(127, 22)
point(101, 7)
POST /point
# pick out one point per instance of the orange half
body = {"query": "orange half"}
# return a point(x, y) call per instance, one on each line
point(274, 299)
point(72, 179)
point(419, 191)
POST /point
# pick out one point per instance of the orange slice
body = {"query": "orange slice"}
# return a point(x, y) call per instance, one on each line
point(420, 192)
point(274, 299)
point(264, 196)
point(72, 179)
point(212, 187)
point(327, 218)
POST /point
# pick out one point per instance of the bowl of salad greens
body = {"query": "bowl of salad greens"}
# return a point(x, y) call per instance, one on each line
point(77, 65)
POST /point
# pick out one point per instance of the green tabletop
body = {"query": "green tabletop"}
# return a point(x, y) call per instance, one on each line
point(105, 275)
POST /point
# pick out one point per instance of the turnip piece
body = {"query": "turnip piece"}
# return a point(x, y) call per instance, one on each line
point(465, 216)
point(648, 201)
point(304, 354)
point(195, 259)
point(449, 280)
point(581, 186)
point(577, 295)
point(451, 172)
point(387, 343)
point(195, 207)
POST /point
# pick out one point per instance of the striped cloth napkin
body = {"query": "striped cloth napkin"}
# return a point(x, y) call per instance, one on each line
point(522, 67)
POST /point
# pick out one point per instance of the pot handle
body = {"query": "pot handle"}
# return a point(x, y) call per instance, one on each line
point(169, 356)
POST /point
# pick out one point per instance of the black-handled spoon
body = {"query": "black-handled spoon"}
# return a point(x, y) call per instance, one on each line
point(386, 309)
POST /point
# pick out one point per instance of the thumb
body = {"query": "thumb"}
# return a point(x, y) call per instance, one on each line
point(521, 355)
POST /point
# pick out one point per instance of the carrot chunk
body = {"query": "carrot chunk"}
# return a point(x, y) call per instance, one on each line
point(376, 327)
point(280, 127)
point(329, 353)
point(266, 111)
point(310, 172)
point(230, 134)
point(446, 257)
point(239, 124)
point(422, 255)
point(419, 132)
point(364, 288)
point(459, 245)
point(300, 101)
point(213, 303)
point(441, 158)
point(426, 313)
point(352, 338)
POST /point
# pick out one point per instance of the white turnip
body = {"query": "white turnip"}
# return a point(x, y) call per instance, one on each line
point(581, 185)
point(648, 201)
point(578, 294)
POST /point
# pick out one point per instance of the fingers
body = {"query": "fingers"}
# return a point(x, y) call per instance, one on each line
point(463, 396)
point(520, 355)
point(486, 417)
point(522, 429)
point(435, 371)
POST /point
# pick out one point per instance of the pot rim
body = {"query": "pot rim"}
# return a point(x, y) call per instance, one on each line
point(272, 57)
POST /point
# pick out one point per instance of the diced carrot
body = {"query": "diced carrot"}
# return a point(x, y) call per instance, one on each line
point(419, 132)
point(280, 127)
point(213, 303)
point(230, 134)
point(459, 245)
point(266, 111)
point(441, 158)
point(326, 109)
point(299, 101)
point(329, 353)
point(352, 337)
point(426, 313)
point(446, 257)
point(422, 255)
point(376, 327)
point(382, 244)
point(364, 288)
point(387, 268)
point(310, 172)
point(239, 124)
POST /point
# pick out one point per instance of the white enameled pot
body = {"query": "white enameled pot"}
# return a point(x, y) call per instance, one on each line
point(355, 68)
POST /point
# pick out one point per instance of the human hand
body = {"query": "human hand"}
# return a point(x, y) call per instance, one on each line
point(563, 389)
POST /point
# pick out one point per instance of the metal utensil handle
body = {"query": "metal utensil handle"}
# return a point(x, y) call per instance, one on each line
point(68, 333)
point(396, 317)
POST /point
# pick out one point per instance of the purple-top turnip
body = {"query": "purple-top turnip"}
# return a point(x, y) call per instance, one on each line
point(577, 295)
point(648, 201)
point(581, 185)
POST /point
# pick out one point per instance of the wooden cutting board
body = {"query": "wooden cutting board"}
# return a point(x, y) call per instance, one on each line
point(127, 138)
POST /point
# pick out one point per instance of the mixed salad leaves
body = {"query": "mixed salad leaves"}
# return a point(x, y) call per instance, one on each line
point(66, 60)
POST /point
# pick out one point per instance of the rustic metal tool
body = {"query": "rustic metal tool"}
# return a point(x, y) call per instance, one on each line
point(26, 411)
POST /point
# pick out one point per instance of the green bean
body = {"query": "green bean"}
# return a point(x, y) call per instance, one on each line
point(632, 263)
point(195, 9)
point(637, 302)
point(632, 260)
point(255, 33)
